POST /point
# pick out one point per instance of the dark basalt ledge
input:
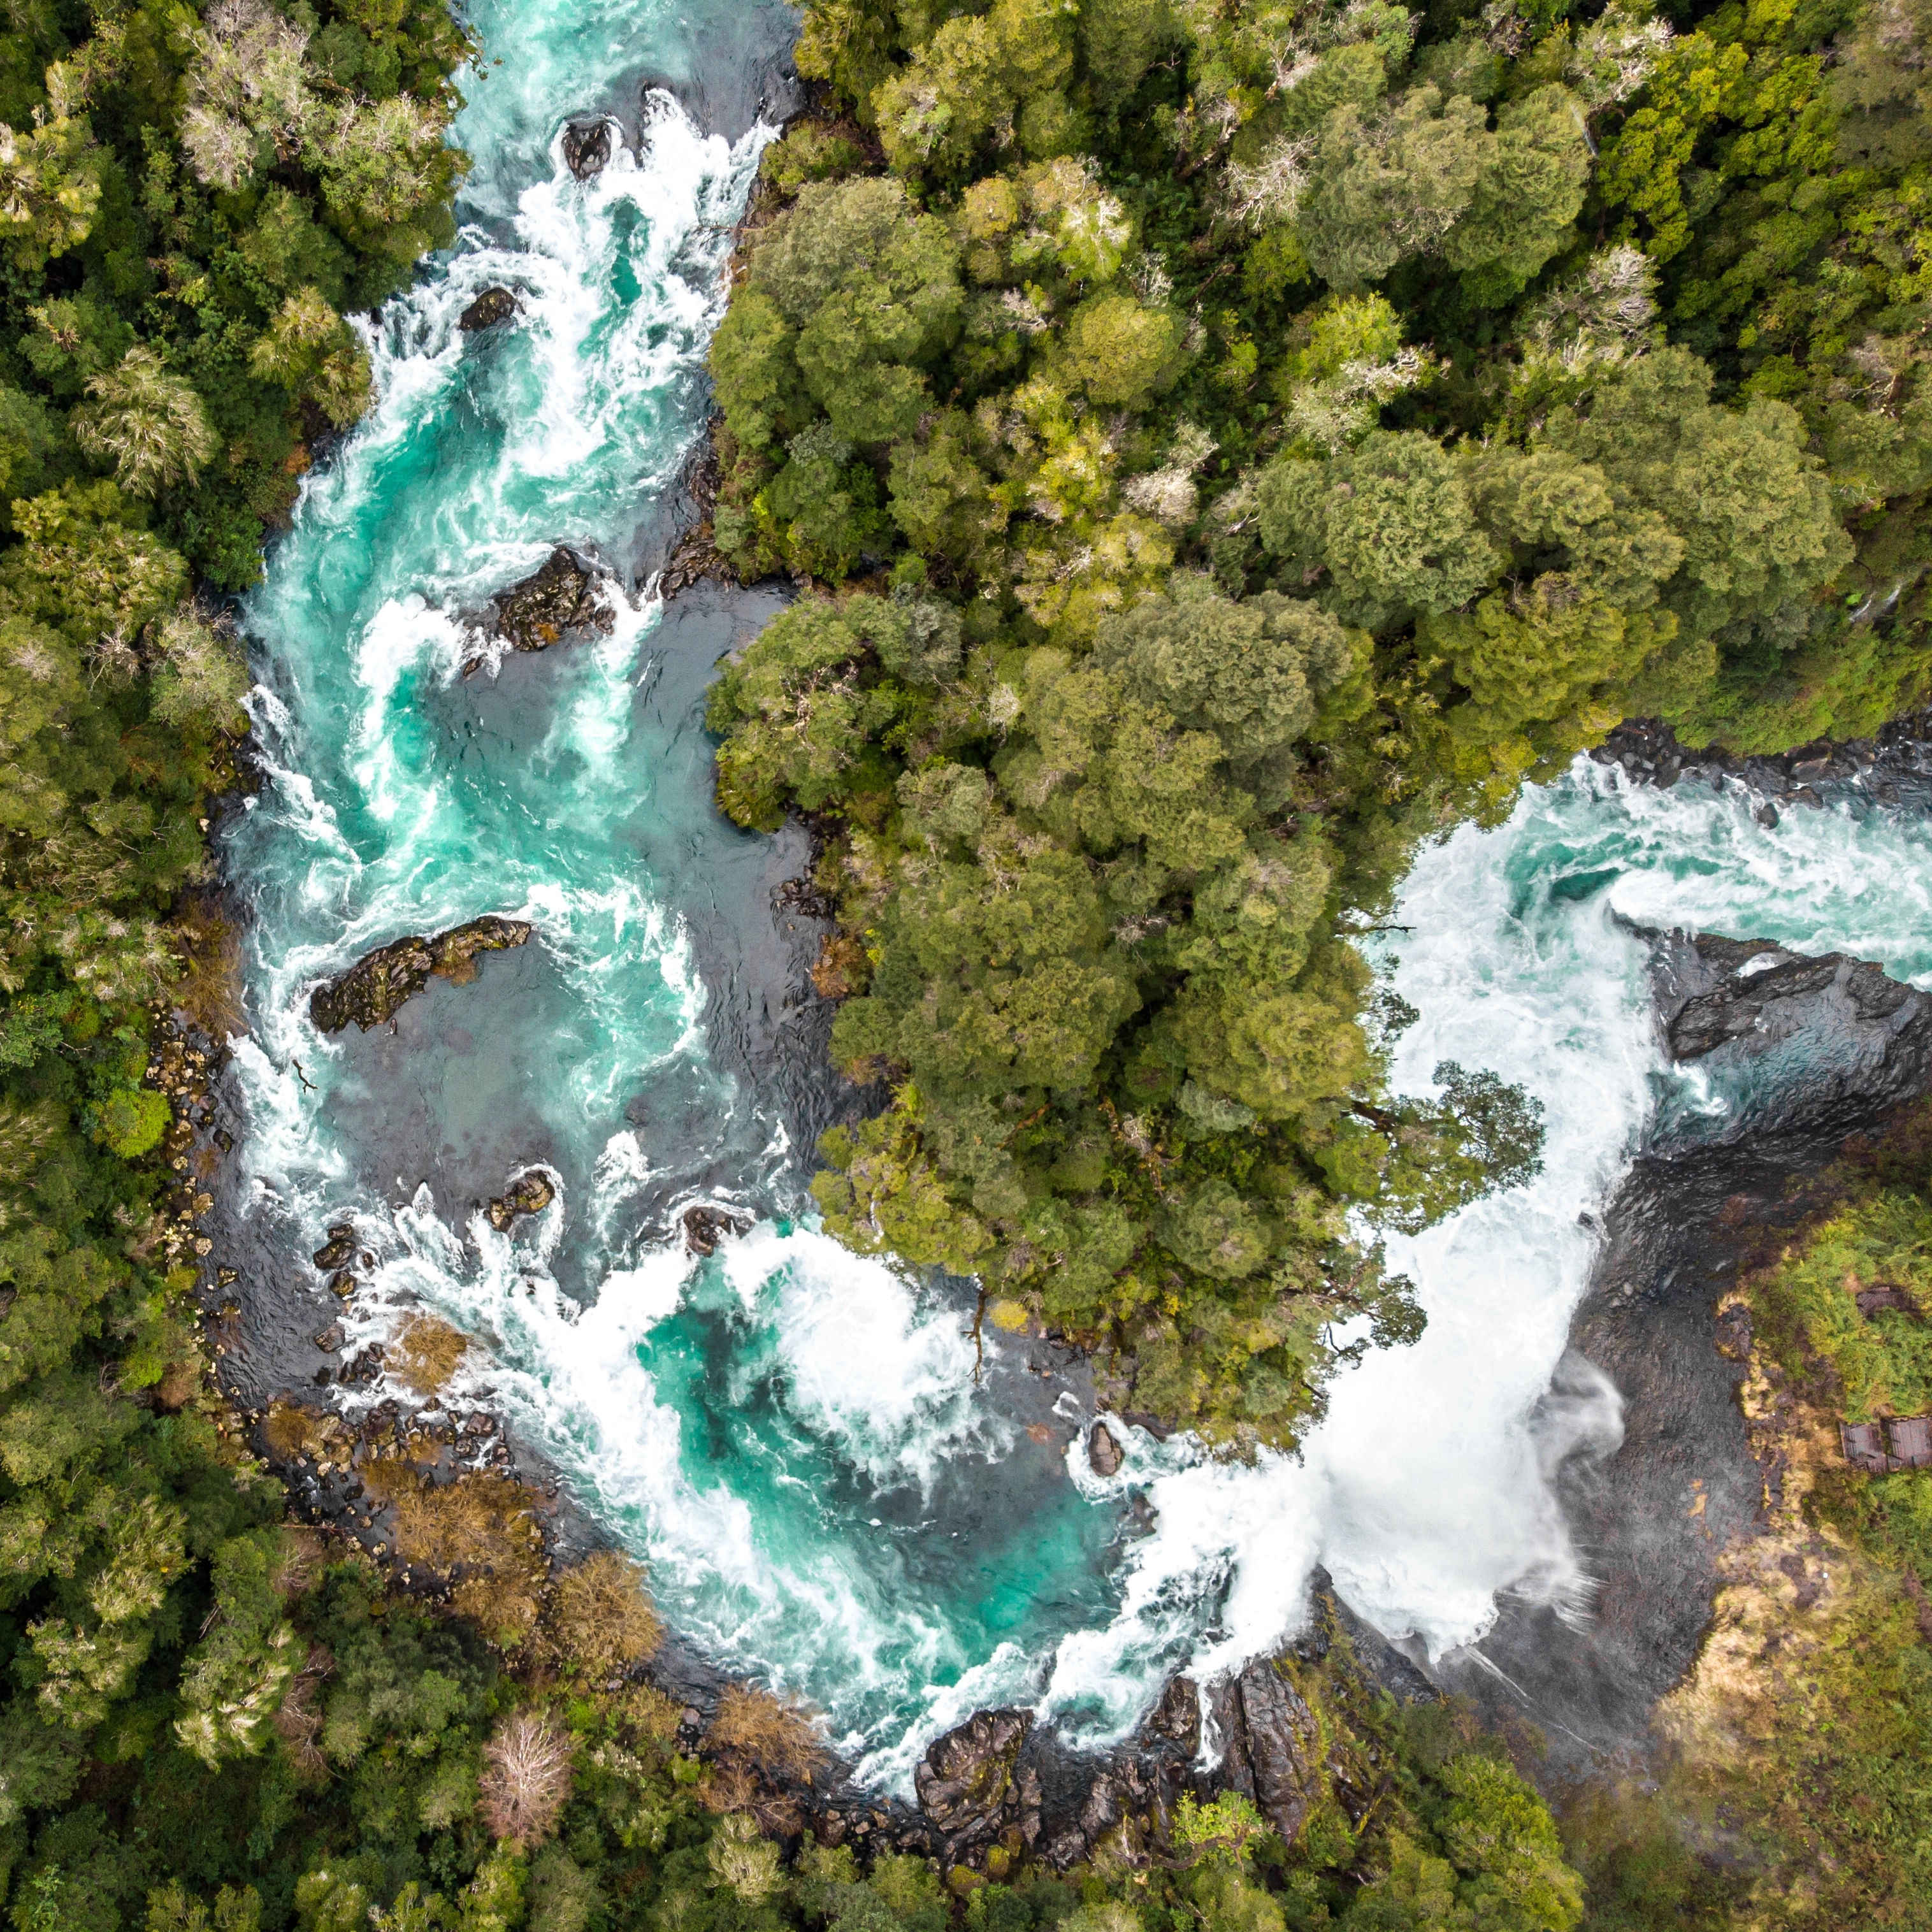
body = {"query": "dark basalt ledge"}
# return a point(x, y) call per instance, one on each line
point(1828, 1048)
point(1651, 752)
point(372, 989)
point(491, 307)
point(1864, 1040)
point(565, 595)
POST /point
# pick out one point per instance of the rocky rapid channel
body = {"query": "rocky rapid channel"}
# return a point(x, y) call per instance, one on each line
point(533, 1048)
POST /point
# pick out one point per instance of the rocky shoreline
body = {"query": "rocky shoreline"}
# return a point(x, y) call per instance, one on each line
point(1659, 1509)
point(1650, 753)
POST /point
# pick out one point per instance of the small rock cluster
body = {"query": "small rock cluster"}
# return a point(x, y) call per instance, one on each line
point(182, 1068)
point(529, 1194)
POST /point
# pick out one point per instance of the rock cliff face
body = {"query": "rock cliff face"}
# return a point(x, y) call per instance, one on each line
point(1814, 1050)
point(1814, 1039)
point(372, 990)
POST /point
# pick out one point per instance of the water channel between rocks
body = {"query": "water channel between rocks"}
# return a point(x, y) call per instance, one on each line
point(797, 1439)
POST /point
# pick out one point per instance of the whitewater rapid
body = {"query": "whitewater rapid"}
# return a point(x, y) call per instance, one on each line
point(1426, 1493)
point(830, 1492)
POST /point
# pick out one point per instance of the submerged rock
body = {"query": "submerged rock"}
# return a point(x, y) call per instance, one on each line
point(562, 596)
point(529, 1194)
point(491, 307)
point(372, 989)
point(587, 148)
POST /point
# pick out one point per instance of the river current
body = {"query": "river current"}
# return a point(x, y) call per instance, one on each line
point(832, 1490)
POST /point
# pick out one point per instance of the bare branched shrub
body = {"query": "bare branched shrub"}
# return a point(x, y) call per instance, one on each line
point(525, 1779)
point(775, 1733)
point(427, 1353)
point(600, 1617)
point(298, 1721)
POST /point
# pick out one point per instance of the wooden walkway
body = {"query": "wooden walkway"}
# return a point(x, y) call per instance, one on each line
point(1897, 1442)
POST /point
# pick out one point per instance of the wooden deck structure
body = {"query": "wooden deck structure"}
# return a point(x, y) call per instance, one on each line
point(1897, 1442)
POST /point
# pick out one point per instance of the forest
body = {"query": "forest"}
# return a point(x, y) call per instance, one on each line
point(1219, 446)
point(1229, 444)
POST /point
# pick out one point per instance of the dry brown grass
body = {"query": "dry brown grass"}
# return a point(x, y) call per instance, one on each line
point(209, 991)
point(645, 1715)
point(290, 1430)
point(525, 1780)
point(777, 1734)
point(600, 1616)
point(298, 1558)
point(482, 1519)
point(180, 1383)
point(503, 1604)
point(478, 1529)
point(427, 1353)
point(727, 1787)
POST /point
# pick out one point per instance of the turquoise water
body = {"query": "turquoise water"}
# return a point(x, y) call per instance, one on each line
point(795, 1438)
point(829, 1494)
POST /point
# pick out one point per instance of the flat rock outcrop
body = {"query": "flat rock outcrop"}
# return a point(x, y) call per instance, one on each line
point(563, 596)
point(375, 987)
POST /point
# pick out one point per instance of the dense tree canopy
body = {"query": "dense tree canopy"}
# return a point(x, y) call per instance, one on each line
point(1301, 424)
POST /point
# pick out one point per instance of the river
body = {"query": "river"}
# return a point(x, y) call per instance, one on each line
point(830, 1492)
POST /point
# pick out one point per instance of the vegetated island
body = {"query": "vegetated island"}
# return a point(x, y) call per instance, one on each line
point(1230, 444)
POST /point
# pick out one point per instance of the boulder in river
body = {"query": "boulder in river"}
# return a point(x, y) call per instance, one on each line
point(704, 1227)
point(372, 989)
point(337, 1248)
point(491, 307)
point(529, 1193)
point(560, 597)
point(587, 147)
